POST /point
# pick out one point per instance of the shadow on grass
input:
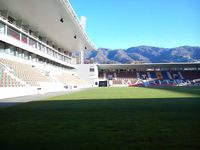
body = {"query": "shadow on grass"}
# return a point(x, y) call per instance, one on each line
point(8, 104)
point(102, 124)
point(127, 102)
point(120, 102)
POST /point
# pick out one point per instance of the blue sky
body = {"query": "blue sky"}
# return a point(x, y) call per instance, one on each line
point(126, 23)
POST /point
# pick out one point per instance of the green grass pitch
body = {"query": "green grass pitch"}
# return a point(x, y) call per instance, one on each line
point(166, 118)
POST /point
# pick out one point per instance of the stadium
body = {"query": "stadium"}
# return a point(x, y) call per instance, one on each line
point(50, 99)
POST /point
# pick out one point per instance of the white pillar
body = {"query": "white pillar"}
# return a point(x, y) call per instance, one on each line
point(20, 37)
point(83, 22)
point(6, 30)
point(82, 56)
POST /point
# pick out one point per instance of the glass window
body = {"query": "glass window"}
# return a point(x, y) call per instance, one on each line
point(7, 48)
point(24, 39)
point(32, 43)
point(13, 33)
point(54, 53)
point(43, 48)
point(20, 53)
point(33, 57)
point(68, 60)
point(47, 50)
point(59, 57)
point(91, 69)
point(17, 52)
point(12, 50)
point(2, 28)
point(39, 46)
point(50, 52)
point(2, 46)
point(26, 55)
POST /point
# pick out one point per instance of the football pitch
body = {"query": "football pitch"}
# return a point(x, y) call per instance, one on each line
point(106, 118)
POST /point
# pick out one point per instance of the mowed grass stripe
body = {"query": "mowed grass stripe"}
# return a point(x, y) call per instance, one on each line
point(126, 123)
point(132, 93)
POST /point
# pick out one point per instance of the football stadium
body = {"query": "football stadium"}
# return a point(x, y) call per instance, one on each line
point(50, 99)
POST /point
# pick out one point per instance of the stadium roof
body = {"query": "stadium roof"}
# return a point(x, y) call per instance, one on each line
point(55, 19)
point(149, 66)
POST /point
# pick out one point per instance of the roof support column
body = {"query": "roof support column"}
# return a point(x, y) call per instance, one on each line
point(82, 56)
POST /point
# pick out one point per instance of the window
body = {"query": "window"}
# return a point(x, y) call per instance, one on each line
point(7, 48)
point(13, 33)
point(59, 57)
point(26, 55)
point(64, 58)
point(39, 46)
point(43, 48)
point(91, 69)
point(12, 50)
point(54, 54)
point(20, 53)
point(32, 43)
point(2, 46)
point(24, 39)
point(50, 52)
point(2, 28)
point(17, 52)
point(33, 57)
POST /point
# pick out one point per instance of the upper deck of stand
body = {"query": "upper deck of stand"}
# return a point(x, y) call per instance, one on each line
point(44, 16)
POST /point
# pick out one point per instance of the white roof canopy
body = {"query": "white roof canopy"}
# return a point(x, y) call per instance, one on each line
point(148, 66)
point(44, 16)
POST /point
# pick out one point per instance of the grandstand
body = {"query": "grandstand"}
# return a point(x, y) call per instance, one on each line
point(36, 53)
point(160, 74)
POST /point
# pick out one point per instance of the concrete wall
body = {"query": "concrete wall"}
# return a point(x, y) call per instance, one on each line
point(8, 92)
point(88, 72)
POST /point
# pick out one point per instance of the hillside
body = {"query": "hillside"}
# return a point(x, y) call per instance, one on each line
point(145, 54)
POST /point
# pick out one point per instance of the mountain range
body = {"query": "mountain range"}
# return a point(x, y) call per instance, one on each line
point(144, 54)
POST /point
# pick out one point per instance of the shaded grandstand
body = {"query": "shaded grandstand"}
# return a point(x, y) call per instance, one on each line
point(160, 74)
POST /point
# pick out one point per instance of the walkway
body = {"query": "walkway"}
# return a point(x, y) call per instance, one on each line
point(17, 100)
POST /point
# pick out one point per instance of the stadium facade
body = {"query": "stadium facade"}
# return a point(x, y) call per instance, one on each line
point(37, 39)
